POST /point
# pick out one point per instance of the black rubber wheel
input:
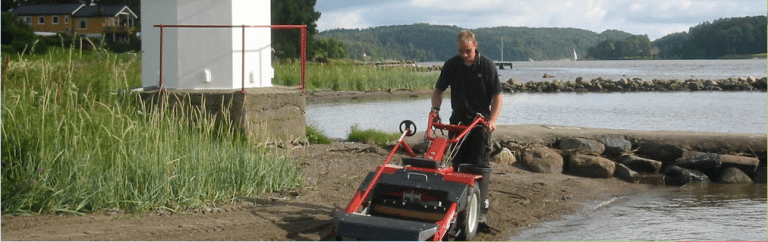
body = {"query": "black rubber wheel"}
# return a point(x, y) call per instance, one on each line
point(468, 220)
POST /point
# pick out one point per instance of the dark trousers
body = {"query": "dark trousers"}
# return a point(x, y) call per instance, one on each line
point(476, 148)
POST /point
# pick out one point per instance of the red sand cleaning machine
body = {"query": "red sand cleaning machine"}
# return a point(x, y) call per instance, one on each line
point(424, 199)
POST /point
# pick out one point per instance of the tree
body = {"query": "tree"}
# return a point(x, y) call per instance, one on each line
point(17, 36)
point(298, 12)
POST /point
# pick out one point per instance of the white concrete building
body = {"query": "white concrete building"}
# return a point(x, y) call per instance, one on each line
point(206, 58)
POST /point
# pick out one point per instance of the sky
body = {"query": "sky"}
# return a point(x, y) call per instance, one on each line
point(654, 18)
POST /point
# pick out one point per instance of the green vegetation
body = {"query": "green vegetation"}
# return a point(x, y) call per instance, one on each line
point(425, 42)
point(345, 75)
point(73, 142)
point(723, 37)
point(371, 136)
point(316, 136)
point(635, 47)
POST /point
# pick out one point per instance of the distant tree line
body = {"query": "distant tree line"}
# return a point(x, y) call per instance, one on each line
point(729, 36)
point(425, 42)
point(635, 47)
point(721, 38)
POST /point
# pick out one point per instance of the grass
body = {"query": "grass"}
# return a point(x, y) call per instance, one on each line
point(317, 136)
point(371, 136)
point(72, 143)
point(344, 75)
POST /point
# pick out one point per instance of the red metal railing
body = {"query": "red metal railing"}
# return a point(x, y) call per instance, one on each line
point(302, 28)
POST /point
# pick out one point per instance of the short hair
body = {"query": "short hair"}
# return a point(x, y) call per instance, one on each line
point(466, 35)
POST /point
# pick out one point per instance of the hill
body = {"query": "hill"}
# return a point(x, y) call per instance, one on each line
point(426, 42)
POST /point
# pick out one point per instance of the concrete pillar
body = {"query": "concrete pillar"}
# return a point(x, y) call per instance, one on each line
point(206, 58)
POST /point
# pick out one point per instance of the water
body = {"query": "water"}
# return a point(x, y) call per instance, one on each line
point(644, 69)
point(691, 212)
point(726, 112)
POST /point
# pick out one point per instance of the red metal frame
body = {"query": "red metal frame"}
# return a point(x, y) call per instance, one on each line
point(302, 28)
point(436, 149)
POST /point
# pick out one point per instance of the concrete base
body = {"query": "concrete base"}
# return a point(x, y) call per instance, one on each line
point(273, 114)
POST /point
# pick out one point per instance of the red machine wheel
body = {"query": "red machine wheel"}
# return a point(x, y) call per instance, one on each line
point(469, 218)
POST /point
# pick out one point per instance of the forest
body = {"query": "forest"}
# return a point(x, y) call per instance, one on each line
point(723, 38)
point(719, 39)
point(426, 42)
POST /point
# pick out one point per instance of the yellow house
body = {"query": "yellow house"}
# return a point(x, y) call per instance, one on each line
point(113, 22)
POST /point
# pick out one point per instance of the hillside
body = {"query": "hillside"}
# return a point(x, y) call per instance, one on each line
point(425, 42)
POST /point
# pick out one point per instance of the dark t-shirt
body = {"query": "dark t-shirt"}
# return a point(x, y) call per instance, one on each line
point(472, 87)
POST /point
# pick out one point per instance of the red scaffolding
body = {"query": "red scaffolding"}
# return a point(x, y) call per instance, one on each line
point(302, 28)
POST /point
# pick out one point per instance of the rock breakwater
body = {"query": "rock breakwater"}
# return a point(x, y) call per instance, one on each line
point(636, 85)
point(648, 157)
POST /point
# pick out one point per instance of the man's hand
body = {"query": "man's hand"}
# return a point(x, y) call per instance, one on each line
point(491, 125)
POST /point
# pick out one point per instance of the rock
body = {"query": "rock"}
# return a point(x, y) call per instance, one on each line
point(660, 152)
point(747, 164)
point(640, 164)
point(709, 163)
point(504, 157)
point(733, 175)
point(591, 166)
point(655, 179)
point(579, 144)
point(542, 160)
point(547, 75)
point(615, 145)
point(624, 173)
point(759, 176)
point(678, 176)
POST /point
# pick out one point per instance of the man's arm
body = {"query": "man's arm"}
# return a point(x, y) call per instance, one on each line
point(437, 99)
point(495, 111)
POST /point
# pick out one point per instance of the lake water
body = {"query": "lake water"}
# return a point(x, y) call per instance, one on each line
point(524, 71)
point(691, 212)
point(726, 112)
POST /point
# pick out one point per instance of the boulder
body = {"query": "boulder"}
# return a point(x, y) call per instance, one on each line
point(660, 152)
point(640, 164)
point(733, 175)
point(679, 176)
point(579, 144)
point(624, 173)
point(591, 166)
point(747, 164)
point(655, 179)
point(709, 163)
point(504, 157)
point(542, 160)
point(615, 145)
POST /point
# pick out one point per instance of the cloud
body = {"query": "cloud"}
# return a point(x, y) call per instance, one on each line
point(349, 19)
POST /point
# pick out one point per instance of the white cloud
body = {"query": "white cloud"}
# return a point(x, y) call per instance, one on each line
point(348, 19)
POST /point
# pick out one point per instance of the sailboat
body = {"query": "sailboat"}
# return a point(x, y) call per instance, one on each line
point(575, 57)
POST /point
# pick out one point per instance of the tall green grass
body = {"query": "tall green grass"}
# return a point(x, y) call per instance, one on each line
point(73, 143)
point(347, 76)
point(380, 138)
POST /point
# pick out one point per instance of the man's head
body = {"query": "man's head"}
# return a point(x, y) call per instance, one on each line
point(466, 43)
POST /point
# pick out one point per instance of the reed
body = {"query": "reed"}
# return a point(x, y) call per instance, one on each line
point(73, 143)
point(348, 76)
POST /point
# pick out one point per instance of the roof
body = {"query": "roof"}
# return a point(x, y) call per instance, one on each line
point(47, 9)
point(102, 11)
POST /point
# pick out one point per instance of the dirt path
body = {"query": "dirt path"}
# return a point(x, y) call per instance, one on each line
point(519, 199)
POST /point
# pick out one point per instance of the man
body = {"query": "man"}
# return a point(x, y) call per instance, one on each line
point(475, 89)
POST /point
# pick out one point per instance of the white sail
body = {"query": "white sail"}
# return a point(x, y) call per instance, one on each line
point(575, 57)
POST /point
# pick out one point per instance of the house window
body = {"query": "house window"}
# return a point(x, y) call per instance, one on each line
point(40, 20)
point(82, 24)
point(66, 19)
point(55, 20)
point(27, 20)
